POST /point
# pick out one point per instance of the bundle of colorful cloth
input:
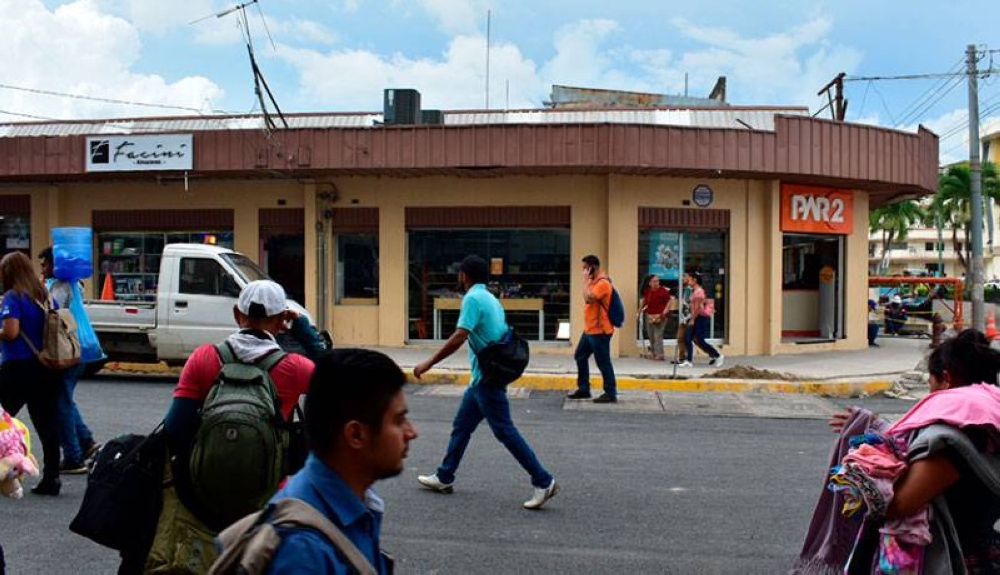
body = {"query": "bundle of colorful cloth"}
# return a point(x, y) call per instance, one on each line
point(865, 479)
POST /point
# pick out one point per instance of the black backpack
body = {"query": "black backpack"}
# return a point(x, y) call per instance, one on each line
point(616, 311)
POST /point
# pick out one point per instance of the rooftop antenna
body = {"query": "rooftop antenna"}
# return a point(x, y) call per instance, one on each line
point(488, 59)
point(258, 76)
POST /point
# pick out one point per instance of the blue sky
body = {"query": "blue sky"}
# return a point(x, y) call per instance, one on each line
point(339, 54)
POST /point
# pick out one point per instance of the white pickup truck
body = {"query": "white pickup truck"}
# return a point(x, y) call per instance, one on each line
point(197, 289)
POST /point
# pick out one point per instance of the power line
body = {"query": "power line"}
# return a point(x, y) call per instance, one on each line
point(924, 108)
point(884, 105)
point(99, 99)
point(930, 92)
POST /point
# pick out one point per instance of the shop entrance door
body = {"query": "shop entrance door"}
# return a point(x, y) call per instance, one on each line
point(812, 294)
point(671, 253)
point(283, 259)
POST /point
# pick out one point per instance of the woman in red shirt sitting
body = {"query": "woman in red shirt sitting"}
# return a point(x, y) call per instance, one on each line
point(655, 298)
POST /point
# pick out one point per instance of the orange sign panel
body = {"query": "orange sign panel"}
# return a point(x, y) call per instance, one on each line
point(815, 210)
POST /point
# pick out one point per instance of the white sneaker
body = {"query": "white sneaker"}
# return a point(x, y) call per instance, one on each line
point(542, 494)
point(434, 484)
point(684, 363)
point(717, 362)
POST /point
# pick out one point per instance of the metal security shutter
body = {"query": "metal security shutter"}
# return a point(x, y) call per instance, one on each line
point(354, 220)
point(15, 205)
point(542, 217)
point(146, 220)
point(683, 219)
point(282, 218)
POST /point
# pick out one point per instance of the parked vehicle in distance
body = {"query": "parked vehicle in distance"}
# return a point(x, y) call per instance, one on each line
point(197, 289)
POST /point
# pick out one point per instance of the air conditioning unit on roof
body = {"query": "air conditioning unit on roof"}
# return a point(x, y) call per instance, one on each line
point(401, 106)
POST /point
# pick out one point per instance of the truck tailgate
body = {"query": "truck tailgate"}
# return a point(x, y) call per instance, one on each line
point(121, 316)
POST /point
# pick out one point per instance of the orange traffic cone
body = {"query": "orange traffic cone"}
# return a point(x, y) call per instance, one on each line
point(108, 290)
point(991, 327)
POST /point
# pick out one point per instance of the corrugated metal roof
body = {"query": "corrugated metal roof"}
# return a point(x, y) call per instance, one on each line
point(573, 96)
point(183, 124)
point(755, 118)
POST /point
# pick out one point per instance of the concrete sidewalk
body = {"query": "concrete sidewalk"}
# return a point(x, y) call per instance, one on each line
point(837, 374)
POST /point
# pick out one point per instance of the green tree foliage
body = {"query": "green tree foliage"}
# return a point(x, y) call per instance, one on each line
point(893, 221)
point(952, 208)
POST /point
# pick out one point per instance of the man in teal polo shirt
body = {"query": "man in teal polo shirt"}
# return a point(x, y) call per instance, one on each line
point(481, 322)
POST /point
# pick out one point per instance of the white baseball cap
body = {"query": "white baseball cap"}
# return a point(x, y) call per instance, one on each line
point(262, 298)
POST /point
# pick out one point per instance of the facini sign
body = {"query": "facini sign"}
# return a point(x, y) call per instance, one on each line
point(815, 210)
point(139, 153)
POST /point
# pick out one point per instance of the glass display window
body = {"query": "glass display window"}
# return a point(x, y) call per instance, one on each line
point(665, 251)
point(132, 259)
point(529, 273)
point(357, 269)
point(16, 233)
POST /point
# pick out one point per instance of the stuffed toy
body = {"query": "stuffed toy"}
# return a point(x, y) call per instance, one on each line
point(16, 460)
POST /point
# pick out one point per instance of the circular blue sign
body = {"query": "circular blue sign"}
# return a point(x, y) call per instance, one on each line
point(702, 196)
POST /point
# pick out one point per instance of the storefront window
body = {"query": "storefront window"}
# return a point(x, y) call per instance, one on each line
point(529, 272)
point(663, 252)
point(357, 269)
point(132, 259)
point(16, 232)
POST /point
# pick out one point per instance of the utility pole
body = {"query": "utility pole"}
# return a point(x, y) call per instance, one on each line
point(837, 103)
point(976, 185)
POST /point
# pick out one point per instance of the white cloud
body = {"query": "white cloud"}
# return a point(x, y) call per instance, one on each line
point(354, 79)
point(781, 68)
point(456, 16)
point(158, 16)
point(86, 52)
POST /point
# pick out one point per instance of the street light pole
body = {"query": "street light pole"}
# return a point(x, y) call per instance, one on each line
point(976, 190)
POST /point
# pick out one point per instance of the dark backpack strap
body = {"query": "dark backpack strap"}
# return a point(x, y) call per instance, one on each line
point(265, 362)
point(270, 359)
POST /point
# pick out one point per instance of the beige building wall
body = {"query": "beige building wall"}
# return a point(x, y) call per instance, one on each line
point(586, 194)
point(604, 219)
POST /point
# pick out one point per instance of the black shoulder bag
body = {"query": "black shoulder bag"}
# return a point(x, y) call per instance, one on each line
point(502, 362)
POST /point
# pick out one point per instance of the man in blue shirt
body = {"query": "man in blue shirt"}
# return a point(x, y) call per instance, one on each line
point(356, 421)
point(481, 321)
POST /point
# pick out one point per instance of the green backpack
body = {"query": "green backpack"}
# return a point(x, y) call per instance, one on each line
point(239, 451)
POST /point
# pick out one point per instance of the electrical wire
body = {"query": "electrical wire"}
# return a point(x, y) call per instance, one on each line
point(884, 105)
point(98, 99)
point(929, 93)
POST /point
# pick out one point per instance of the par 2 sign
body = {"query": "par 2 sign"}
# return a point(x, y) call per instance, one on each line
point(815, 210)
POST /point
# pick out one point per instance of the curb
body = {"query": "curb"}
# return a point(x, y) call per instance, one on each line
point(853, 387)
point(846, 387)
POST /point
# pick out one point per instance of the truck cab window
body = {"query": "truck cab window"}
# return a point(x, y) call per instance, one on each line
point(201, 276)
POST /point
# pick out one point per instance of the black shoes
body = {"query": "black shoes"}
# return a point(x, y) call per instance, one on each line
point(578, 395)
point(605, 398)
point(47, 486)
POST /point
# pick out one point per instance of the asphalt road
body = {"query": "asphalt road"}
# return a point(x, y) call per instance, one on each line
point(686, 490)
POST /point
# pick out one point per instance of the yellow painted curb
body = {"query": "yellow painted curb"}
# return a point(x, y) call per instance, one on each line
point(160, 368)
point(832, 388)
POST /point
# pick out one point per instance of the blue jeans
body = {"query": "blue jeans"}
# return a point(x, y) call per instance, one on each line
point(490, 403)
point(600, 347)
point(697, 335)
point(74, 435)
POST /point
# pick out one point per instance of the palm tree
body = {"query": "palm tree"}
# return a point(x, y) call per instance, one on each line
point(894, 222)
point(953, 206)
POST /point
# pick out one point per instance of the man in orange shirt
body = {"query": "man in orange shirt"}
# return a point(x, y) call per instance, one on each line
point(597, 332)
